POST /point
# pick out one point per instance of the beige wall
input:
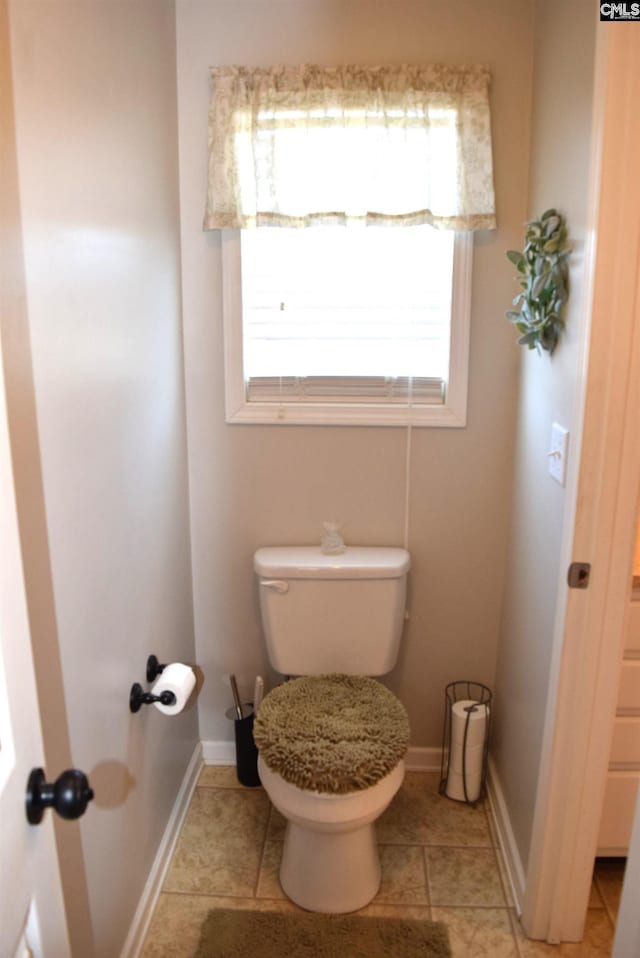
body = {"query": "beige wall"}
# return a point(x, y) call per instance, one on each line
point(95, 387)
point(561, 131)
point(257, 485)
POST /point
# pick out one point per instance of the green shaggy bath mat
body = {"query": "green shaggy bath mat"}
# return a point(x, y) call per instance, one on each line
point(228, 933)
point(332, 733)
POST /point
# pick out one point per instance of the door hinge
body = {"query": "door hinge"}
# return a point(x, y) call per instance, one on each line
point(579, 575)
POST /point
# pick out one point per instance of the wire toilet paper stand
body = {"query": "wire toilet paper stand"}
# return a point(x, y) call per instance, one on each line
point(465, 741)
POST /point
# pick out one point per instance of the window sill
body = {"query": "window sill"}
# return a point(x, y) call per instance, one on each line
point(353, 414)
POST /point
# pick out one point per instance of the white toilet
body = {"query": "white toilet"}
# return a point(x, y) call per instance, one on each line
point(332, 741)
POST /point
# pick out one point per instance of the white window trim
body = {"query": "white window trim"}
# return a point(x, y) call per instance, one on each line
point(452, 413)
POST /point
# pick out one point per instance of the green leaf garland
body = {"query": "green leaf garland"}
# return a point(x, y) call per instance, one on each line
point(543, 275)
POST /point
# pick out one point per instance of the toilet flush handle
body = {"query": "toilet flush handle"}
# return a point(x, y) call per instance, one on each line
point(278, 585)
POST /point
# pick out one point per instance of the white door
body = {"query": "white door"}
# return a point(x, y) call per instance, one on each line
point(32, 918)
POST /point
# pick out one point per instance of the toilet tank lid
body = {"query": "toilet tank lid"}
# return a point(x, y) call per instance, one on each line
point(309, 562)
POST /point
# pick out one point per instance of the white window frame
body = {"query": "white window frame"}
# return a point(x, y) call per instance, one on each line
point(451, 413)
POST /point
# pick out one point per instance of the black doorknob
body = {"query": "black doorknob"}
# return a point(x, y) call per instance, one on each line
point(69, 795)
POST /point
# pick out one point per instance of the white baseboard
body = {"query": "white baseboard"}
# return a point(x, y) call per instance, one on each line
point(500, 813)
point(417, 759)
point(153, 886)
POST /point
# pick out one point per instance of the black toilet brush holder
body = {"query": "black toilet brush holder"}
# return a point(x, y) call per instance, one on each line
point(246, 751)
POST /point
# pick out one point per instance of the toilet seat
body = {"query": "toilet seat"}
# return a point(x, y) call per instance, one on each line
point(332, 734)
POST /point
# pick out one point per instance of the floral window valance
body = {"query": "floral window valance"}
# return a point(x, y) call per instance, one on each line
point(308, 145)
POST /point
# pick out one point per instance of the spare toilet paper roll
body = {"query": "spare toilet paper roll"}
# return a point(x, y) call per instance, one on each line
point(180, 680)
point(477, 719)
point(455, 786)
point(473, 759)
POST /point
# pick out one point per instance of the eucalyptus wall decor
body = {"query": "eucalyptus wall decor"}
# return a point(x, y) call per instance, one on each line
point(543, 275)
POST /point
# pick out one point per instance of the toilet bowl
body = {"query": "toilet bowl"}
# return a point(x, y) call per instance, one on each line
point(331, 751)
point(332, 741)
point(330, 860)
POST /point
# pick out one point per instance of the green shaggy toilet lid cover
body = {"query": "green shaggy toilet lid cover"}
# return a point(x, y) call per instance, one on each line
point(331, 733)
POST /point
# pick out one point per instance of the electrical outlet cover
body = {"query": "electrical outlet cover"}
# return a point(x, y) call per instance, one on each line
point(558, 453)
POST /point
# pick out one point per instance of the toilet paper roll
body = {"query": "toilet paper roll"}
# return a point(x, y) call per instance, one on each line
point(473, 759)
point(467, 757)
point(477, 722)
point(455, 786)
point(180, 680)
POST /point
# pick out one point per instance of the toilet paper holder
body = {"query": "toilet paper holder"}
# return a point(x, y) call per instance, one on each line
point(138, 697)
point(154, 668)
point(170, 693)
point(465, 741)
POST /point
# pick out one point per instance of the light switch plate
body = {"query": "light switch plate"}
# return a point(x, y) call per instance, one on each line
point(557, 454)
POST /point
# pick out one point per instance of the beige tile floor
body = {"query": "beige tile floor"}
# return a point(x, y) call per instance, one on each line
point(439, 859)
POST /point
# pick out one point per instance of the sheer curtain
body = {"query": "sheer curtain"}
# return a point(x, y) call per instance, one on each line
point(384, 146)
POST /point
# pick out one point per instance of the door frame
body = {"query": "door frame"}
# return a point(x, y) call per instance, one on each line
point(600, 527)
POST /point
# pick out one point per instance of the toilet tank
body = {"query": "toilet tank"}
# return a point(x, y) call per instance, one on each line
point(332, 613)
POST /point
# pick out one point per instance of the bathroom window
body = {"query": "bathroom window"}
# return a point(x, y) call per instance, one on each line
point(364, 317)
point(345, 325)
